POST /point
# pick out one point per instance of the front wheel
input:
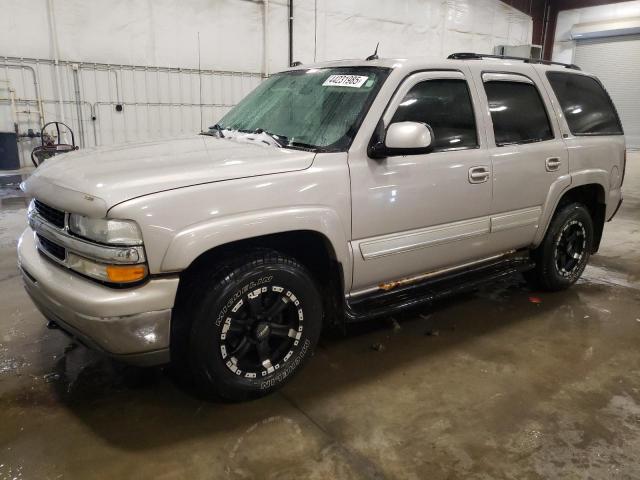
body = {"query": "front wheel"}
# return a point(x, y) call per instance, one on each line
point(256, 322)
point(565, 250)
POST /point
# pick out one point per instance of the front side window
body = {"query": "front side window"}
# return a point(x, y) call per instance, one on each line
point(444, 105)
point(586, 105)
point(318, 108)
point(517, 113)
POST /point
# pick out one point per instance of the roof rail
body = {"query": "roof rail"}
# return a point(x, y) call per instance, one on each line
point(480, 56)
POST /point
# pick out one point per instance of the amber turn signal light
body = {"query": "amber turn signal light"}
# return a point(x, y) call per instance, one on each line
point(126, 273)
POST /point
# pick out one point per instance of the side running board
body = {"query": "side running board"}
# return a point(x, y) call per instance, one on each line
point(381, 302)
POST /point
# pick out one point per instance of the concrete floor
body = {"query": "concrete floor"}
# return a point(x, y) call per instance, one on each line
point(488, 385)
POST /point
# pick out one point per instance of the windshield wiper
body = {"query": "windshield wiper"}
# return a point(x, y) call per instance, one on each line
point(285, 143)
point(282, 141)
point(279, 139)
point(218, 131)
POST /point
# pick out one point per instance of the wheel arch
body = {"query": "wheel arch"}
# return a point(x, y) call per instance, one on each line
point(190, 243)
point(312, 249)
point(593, 195)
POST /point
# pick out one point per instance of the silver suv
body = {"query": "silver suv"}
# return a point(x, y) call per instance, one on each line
point(332, 193)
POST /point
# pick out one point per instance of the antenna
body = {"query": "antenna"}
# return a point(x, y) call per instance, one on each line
point(200, 82)
point(375, 53)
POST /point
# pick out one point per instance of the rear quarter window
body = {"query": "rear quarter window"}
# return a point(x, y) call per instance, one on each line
point(586, 105)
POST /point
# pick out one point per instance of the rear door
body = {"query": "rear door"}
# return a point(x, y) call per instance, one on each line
point(528, 154)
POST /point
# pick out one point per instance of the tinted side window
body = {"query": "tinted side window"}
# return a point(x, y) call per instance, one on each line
point(586, 105)
point(445, 105)
point(517, 112)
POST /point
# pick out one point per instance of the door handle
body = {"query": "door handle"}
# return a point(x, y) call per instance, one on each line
point(479, 174)
point(552, 164)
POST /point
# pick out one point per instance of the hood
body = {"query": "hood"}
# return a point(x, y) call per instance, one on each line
point(93, 180)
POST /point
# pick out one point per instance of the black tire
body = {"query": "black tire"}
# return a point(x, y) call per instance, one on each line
point(239, 347)
point(565, 250)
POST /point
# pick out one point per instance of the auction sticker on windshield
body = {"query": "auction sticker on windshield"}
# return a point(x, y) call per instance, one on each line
point(355, 81)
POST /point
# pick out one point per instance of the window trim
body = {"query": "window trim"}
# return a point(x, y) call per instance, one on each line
point(508, 78)
point(387, 115)
point(505, 77)
point(613, 106)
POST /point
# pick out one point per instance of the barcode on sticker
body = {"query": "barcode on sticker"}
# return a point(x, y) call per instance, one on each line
point(355, 81)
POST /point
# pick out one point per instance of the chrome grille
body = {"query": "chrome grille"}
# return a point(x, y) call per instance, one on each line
point(50, 214)
point(52, 248)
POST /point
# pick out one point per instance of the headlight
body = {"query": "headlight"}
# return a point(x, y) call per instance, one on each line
point(107, 273)
point(102, 230)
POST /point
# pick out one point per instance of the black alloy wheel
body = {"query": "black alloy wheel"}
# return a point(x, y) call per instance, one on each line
point(570, 248)
point(565, 249)
point(256, 319)
point(261, 331)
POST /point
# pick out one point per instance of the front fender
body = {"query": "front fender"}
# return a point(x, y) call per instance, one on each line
point(193, 241)
point(181, 224)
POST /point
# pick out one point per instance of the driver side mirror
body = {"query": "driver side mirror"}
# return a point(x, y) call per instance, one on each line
point(403, 138)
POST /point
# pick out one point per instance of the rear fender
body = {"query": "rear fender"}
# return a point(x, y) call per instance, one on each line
point(561, 187)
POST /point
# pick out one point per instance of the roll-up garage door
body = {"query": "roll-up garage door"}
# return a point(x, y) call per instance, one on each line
point(616, 62)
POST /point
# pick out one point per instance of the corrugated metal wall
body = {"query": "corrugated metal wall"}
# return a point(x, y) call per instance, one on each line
point(616, 62)
point(149, 54)
point(156, 101)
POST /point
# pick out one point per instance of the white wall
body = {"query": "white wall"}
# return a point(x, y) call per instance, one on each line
point(430, 28)
point(163, 33)
point(564, 47)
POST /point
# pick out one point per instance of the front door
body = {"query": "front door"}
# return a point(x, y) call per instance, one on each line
point(417, 213)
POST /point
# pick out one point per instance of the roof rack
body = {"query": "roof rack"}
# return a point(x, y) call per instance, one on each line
point(480, 56)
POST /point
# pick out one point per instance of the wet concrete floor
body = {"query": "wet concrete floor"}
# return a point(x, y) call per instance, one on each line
point(503, 383)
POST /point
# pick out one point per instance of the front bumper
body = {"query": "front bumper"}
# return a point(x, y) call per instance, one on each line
point(130, 324)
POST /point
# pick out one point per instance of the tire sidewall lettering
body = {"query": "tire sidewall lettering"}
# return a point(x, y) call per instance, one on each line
point(300, 350)
point(290, 367)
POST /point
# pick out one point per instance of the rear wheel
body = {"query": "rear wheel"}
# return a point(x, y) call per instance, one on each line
point(563, 254)
point(255, 322)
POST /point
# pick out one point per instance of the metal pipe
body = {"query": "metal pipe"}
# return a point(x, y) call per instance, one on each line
point(56, 56)
point(199, 85)
point(12, 101)
point(94, 67)
point(265, 40)
point(113, 128)
point(35, 84)
point(545, 25)
point(166, 104)
point(290, 32)
point(76, 87)
point(107, 66)
point(26, 101)
point(14, 112)
point(93, 113)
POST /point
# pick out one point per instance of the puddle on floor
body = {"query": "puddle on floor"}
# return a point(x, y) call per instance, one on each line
point(11, 197)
